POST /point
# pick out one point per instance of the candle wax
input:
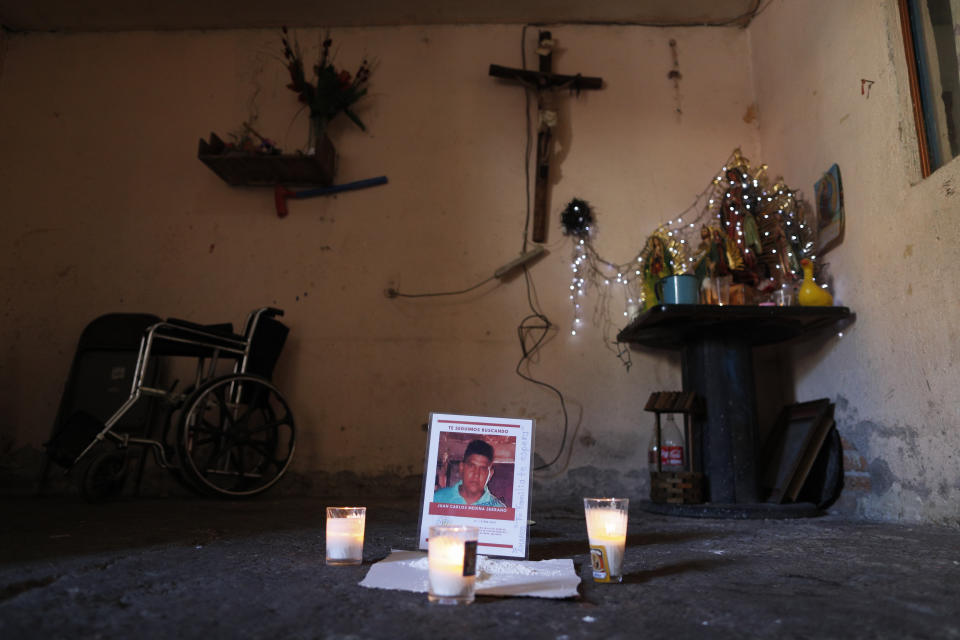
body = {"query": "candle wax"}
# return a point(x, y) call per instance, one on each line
point(446, 567)
point(608, 528)
point(345, 538)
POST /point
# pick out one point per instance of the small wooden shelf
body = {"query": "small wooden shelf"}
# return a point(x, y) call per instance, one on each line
point(238, 168)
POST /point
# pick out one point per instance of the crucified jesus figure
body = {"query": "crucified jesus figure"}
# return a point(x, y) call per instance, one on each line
point(544, 82)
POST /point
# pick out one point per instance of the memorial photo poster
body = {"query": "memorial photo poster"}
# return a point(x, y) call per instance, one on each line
point(478, 473)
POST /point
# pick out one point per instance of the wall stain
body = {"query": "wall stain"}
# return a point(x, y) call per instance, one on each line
point(921, 490)
point(943, 490)
point(676, 76)
point(861, 432)
point(842, 403)
point(31, 232)
point(752, 113)
point(908, 251)
point(948, 189)
point(881, 478)
point(880, 474)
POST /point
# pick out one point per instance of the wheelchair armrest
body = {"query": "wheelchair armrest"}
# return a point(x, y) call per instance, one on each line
point(176, 337)
point(223, 329)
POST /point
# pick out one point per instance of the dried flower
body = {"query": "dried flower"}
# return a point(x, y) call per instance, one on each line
point(333, 91)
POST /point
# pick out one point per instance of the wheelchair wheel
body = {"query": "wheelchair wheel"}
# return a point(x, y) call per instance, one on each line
point(104, 476)
point(236, 436)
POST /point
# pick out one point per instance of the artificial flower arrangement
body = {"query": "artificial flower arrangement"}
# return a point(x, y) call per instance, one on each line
point(332, 91)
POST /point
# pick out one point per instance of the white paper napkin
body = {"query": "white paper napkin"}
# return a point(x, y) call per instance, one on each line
point(407, 571)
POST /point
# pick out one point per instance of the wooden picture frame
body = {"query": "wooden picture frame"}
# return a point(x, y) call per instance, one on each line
point(792, 447)
point(828, 193)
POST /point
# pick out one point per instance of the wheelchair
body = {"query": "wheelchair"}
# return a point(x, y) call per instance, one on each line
point(227, 434)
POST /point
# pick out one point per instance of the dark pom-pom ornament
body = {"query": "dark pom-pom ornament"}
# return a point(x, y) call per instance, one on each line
point(577, 218)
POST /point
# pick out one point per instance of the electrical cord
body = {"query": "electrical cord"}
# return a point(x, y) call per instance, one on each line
point(523, 330)
point(393, 293)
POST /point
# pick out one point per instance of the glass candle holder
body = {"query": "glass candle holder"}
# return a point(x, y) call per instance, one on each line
point(452, 558)
point(783, 297)
point(345, 527)
point(722, 284)
point(607, 532)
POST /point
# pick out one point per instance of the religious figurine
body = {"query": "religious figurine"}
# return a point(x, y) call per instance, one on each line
point(657, 264)
point(783, 251)
point(726, 260)
point(704, 259)
point(751, 237)
point(704, 266)
point(742, 237)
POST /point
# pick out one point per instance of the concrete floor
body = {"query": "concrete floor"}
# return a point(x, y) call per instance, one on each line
point(185, 568)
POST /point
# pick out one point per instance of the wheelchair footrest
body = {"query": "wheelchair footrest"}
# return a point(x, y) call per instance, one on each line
point(77, 433)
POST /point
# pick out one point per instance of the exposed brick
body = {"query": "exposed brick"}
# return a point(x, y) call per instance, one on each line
point(853, 461)
point(856, 482)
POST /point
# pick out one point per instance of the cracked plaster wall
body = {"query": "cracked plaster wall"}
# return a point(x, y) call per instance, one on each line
point(894, 373)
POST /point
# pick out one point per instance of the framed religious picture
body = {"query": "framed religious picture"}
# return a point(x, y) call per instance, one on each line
point(478, 473)
point(828, 192)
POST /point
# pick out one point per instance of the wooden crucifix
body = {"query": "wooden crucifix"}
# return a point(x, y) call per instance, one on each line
point(542, 81)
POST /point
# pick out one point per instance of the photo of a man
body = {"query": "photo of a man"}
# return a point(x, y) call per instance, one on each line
point(477, 473)
point(476, 470)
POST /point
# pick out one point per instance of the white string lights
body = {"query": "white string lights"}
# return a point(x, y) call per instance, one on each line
point(742, 226)
point(630, 281)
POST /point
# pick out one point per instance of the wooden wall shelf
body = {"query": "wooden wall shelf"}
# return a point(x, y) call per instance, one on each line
point(238, 168)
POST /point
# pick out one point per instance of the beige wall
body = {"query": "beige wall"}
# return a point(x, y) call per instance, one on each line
point(895, 373)
point(106, 208)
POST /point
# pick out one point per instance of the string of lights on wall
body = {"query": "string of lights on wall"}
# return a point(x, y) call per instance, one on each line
point(743, 225)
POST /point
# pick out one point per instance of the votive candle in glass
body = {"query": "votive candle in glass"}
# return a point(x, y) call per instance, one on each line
point(452, 559)
point(607, 531)
point(345, 527)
